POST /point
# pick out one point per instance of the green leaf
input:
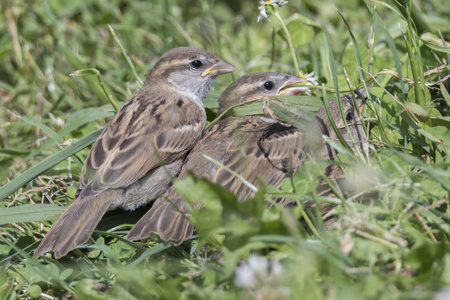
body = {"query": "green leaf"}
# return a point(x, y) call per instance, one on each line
point(150, 252)
point(45, 271)
point(440, 121)
point(85, 116)
point(43, 127)
point(355, 48)
point(301, 33)
point(30, 213)
point(433, 42)
point(34, 291)
point(13, 153)
point(86, 289)
point(445, 94)
point(417, 110)
point(293, 110)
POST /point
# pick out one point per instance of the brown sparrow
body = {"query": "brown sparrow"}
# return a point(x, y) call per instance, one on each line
point(316, 147)
point(321, 126)
point(148, 138)
point(252, 146)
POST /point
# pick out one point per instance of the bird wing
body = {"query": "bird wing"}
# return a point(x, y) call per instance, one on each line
point(248, 146)
point(142, 136)
point(260, 149)
point(169, 216)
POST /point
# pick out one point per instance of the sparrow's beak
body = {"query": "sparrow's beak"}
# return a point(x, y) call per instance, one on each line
point(292, 91)
point(219, 68)
point(361, 96)
point(361, 107)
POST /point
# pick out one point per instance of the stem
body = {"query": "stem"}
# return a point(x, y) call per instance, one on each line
point(371, 45)
point(124, 52)
point(110, 97)
point(289, 40)
point(413, 58)
point(310, 224)
point(93, 71)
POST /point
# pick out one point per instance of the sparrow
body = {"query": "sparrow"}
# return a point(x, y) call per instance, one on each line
point(320, 126)
point(143, 145)
point(252, 146)
point(316, 146)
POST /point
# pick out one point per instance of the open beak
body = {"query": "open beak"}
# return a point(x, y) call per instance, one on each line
point(361, 107)
point(292, 91)
point(361, 98)
point(219, 68)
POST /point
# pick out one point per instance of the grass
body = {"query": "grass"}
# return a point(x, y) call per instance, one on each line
point(390, 238)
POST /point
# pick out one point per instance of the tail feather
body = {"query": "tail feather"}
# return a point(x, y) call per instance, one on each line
point(148, 223)
point(75, 225)
point(168, 218)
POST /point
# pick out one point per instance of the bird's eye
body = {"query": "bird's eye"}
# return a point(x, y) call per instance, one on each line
point(268, 85)
point(349, 116)
point(196, 63)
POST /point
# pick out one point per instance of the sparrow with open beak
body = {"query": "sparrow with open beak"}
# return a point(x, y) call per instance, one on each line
point(157, 127)
point(251, 146)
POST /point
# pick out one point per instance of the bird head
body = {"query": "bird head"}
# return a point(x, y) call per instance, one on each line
point(190, 71)
point(321, 126)
point(258, 86)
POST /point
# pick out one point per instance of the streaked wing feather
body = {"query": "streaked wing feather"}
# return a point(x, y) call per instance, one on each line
point(267, 150)
point(135, 142)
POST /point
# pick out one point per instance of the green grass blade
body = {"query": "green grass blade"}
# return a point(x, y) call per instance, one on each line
point(291, 110)
point(333, 67)
point(355, 48)
point(150, 252)
point(39, 268)
point(84, 117)
point(50, 132)
point(47, 164)
point(124, 52)
point(30, 213)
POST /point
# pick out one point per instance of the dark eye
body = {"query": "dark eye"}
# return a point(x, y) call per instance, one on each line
point(196, 63)
point(349, 116)
point(268, 85)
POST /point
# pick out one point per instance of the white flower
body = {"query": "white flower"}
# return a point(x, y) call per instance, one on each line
point(256, 270)
point(58, 121)
point(282, 3)
point(310, 79)
point(262, 11)
point(245, 276)
point(262, 14)
point(277, 268)
point(261, 278)
point(258, 264)
point(263, 4)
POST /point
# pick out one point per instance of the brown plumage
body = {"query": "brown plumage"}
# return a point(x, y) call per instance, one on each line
point(251, 146)
point(158, 126)
point(317, 148)
point(321, 126)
